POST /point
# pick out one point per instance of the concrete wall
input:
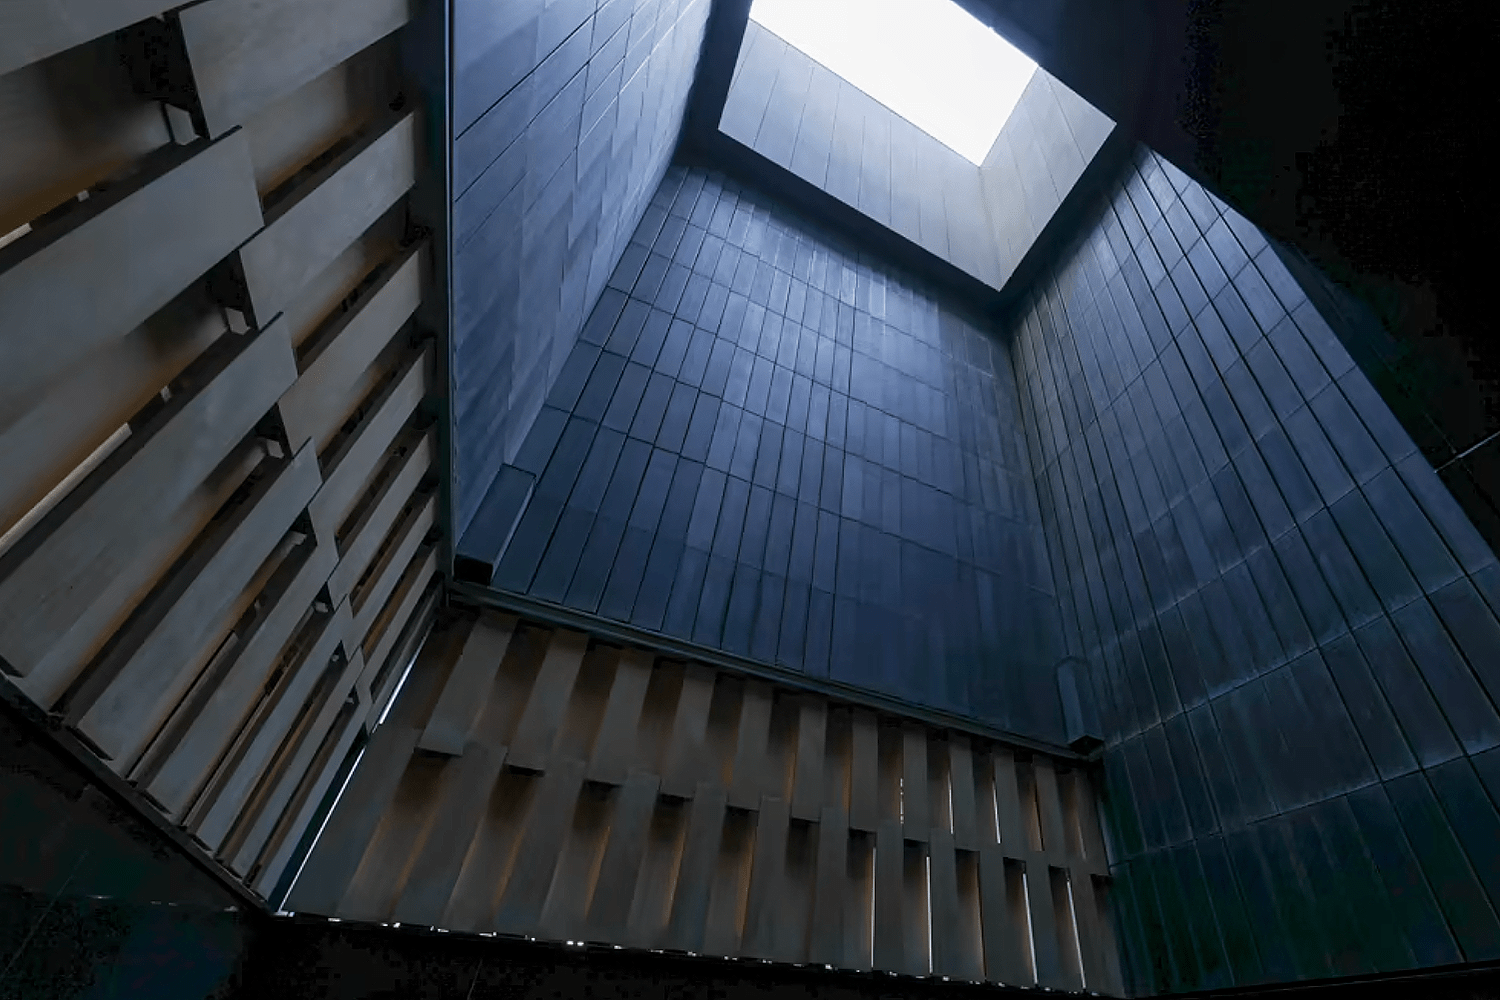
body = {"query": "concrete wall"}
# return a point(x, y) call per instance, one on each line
point(766, 443)
point(565, 113)
point(1290, 624)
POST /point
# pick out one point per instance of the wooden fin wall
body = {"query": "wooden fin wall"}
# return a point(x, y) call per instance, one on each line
point(219, 546)
point(608, 795)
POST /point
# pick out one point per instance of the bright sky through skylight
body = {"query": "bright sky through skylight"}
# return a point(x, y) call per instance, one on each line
point(929, 61)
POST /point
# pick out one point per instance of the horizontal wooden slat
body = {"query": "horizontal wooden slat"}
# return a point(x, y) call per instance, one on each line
point(331, 360)
point(961, 785)
point(309, 797)
point(914, 796)
point(155, 658)
point(351, 462)
point(521, 903)
point(408, 462)
point(609, 910)
point(615, 744)
point(690, 896)
point(406, 597)
point(211, 724)
point(830, 890)
point(197, 203)
point(96, 397)
point(306, 231)
point(463, 698)
point(294, 130)
point(65, 584)
point(752, 777)
point(762, 936)
point(456, 815)
point(864, 773)
point(306, 662)
point(247, 53)
point(289, 767)
point(369, 599)
point(336, 856)
point(807, 781)
point(416, 608)
point(685, 762)
point(548, 700)
point(323, 297)
point(70, 121)
point(34, 29)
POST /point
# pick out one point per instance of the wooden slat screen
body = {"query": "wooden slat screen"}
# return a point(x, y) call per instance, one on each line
point(218, 535)
point(537, 781)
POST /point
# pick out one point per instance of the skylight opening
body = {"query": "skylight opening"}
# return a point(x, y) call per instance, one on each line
point(929, 61)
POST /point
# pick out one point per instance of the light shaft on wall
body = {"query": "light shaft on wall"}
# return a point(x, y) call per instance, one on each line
point(929, 61)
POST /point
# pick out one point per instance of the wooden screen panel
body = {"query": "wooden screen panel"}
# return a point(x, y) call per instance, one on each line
point(247, 53)
point(197, 202)
point(206, 586)
point(627, 860)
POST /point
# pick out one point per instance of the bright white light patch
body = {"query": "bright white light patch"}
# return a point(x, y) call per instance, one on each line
point(929, 61)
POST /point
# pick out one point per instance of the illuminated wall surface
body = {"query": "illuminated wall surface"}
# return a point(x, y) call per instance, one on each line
point(766, 443)
point(564, 116)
